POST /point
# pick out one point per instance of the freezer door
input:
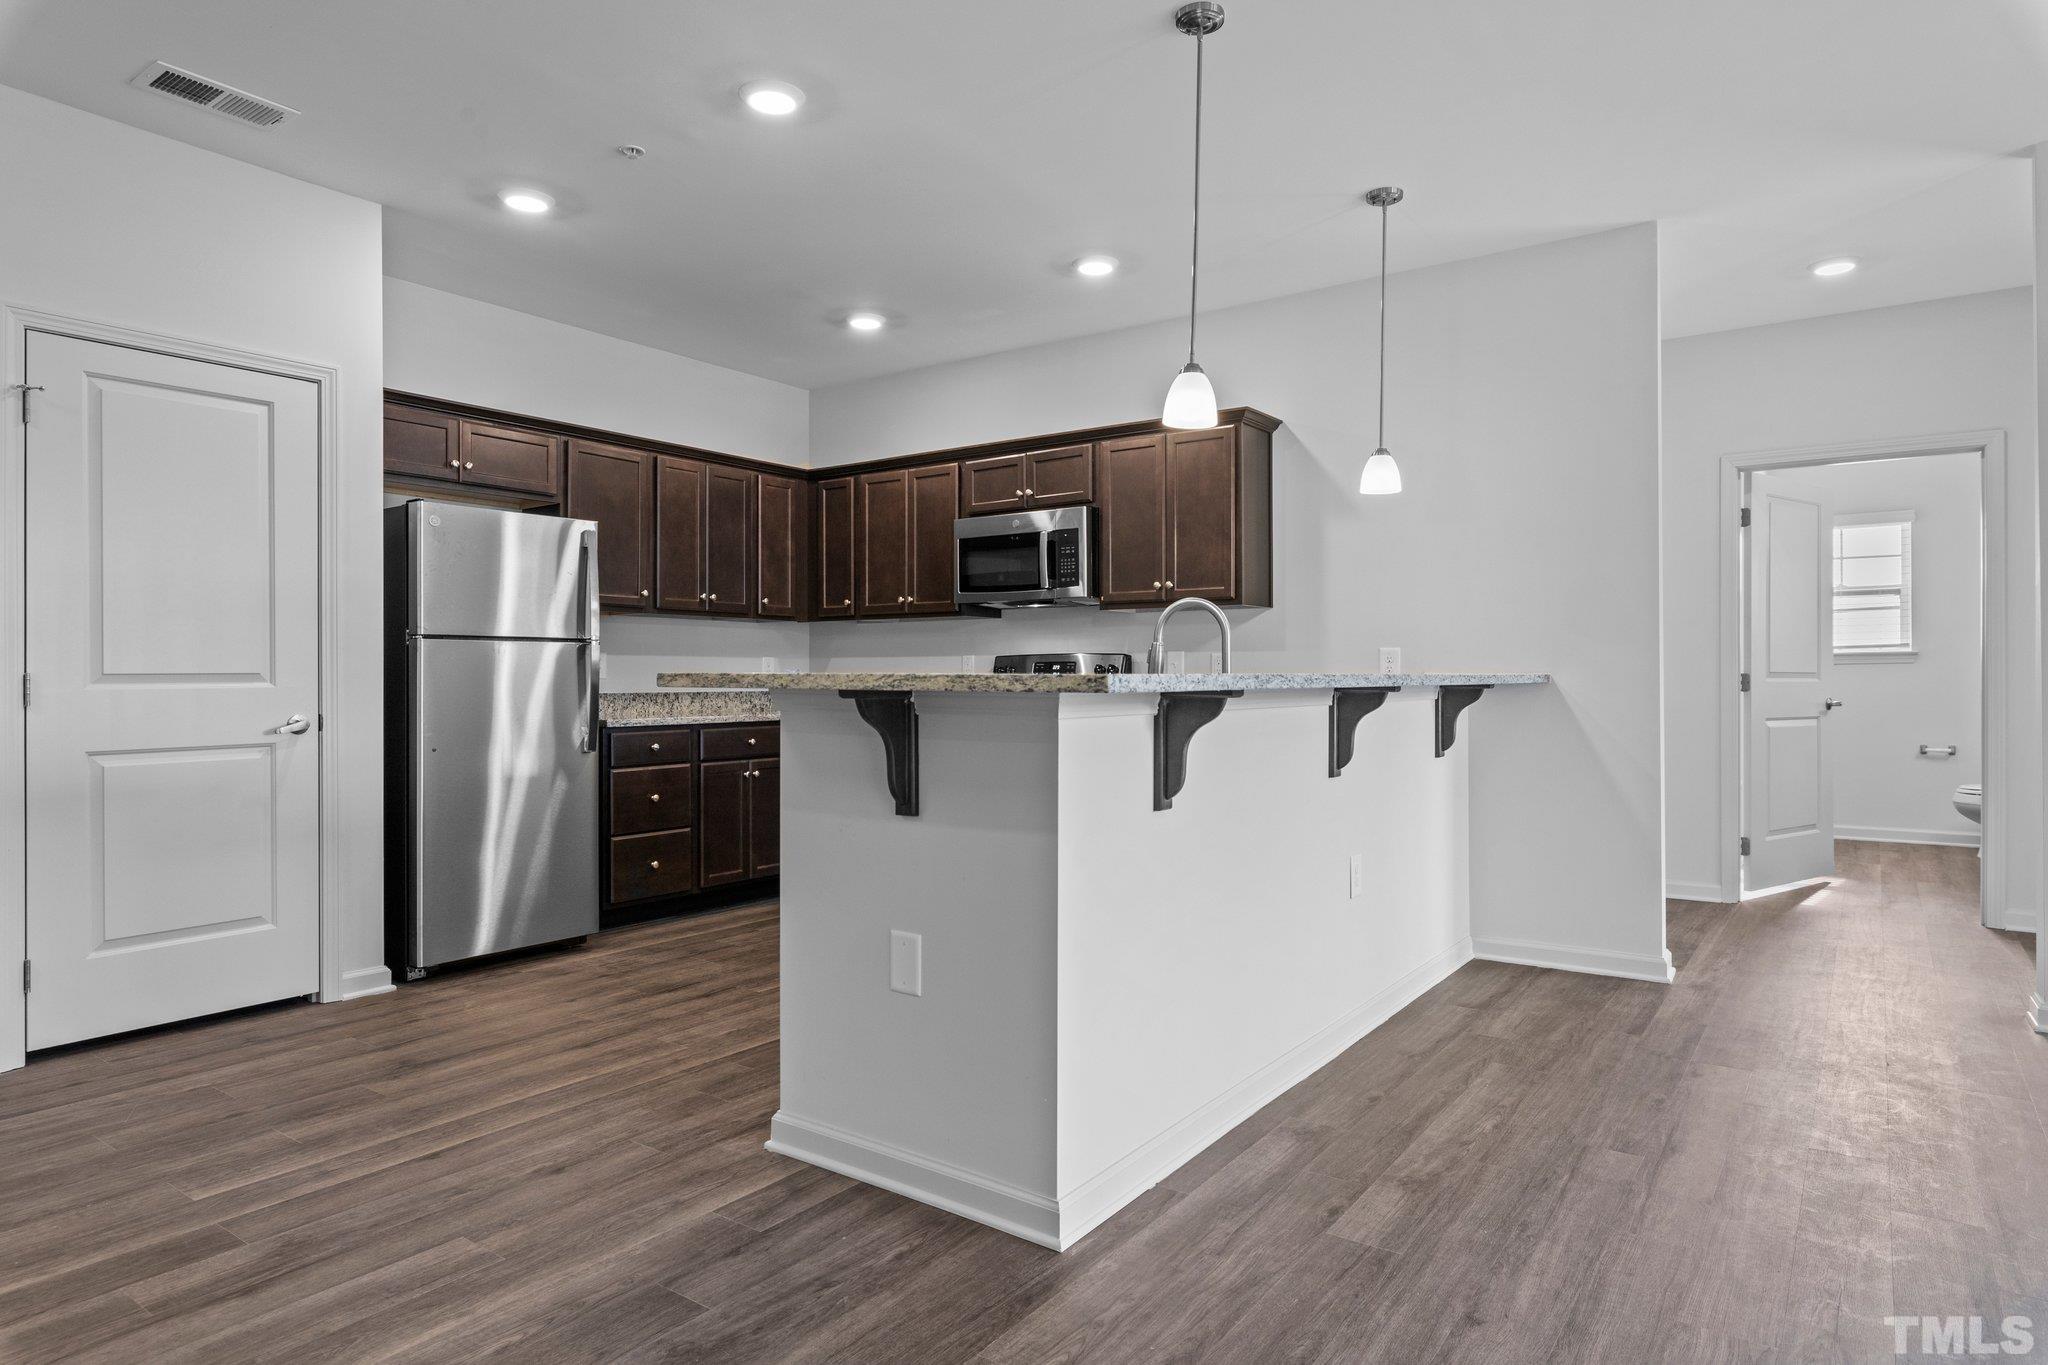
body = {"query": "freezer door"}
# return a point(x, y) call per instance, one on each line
point(478, 571)
point(504, 796)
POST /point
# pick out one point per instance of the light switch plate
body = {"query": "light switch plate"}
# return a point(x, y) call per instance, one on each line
point(1176, 661)
point(906, 962)
point(770, 664)
point(1357, 875)
point(1390, 658)
point(970, 663)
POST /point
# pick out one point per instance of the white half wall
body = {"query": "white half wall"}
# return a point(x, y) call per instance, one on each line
point(1523, 408)
point(1884, 788)
point(446, 346)
point(110, 224)
point(1963, 364)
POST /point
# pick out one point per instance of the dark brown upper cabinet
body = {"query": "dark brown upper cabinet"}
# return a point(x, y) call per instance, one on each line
point(612, 486)
point(419, 444)
point(510, 458)
point(703, 537)
point(779, 540)
point(934, 500)
point(834, 547)
point(1187, 514)
point(882, 535)
point(1059, 477)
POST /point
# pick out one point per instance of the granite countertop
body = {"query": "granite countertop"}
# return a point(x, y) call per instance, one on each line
point(1096, 683)
point(622, 710)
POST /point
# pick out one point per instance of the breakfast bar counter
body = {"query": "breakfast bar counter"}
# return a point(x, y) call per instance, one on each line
point(1046, 937)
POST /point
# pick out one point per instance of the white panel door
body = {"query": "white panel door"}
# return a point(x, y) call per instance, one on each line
point(1789, 785)
point(173, 637)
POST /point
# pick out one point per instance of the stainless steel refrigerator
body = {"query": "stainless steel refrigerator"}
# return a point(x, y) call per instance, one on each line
point(491, 770)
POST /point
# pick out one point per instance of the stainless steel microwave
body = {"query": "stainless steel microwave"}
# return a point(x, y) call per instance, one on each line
point(1026, 559)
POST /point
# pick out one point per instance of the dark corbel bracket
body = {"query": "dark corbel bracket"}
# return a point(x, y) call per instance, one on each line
point(894, 717)
point(1348, 706)
point(1180, 715)
point(1449, 702)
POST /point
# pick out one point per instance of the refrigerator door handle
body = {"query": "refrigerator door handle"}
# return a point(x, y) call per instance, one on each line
point(593, 720)
point(587, 567)
point(592, 661)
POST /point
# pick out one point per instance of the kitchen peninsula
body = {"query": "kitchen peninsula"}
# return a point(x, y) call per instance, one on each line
point(1044, 938)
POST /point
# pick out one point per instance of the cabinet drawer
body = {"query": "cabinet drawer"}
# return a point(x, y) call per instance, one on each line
point(645, 865)
point(741, 741)
point(646, 799)
point(643, 748)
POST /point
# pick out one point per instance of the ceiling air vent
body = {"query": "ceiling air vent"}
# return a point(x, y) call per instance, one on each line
point(167, 80)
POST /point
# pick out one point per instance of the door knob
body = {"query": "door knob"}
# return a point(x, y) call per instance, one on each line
point(1831, 703)
point(297, 725)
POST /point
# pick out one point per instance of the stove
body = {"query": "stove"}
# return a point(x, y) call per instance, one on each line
point(1063, 663)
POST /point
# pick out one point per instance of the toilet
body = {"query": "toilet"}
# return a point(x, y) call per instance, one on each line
point(1969, 800)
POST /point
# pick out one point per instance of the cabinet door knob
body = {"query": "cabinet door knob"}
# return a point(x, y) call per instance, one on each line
point(654, 746)
point(1016, 492)
point(654, 796)
point(1028, 493)
point(764, 601)
point(752, 739)
point(469, 464)
point(847, 603)
point(714, 597)
point(1169, 582)
point(1157, 584)
point(455, 464)
point(643, 592)
point(655, 864)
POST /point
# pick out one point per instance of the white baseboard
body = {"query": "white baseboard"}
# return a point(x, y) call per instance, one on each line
point(365, 981)
point(1092, 1202)
point(2021, 921)
point(1003, 1206)
point(1061, 1223)
point(1566, 957)
point(2039, 1014)
point(1880, 834)
point(1696, 891)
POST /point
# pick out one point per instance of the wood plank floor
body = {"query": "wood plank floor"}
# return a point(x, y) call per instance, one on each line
point(1836, 1114)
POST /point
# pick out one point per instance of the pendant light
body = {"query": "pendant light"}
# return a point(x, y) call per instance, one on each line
point(1381, 474)
point(1191, 402)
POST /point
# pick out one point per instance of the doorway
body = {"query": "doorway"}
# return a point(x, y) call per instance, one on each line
point(172, 560)
point(1863, 633)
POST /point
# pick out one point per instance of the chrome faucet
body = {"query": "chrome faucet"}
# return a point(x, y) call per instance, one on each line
point(1155, 659)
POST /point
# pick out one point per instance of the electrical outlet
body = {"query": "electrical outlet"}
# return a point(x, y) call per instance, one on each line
point(1357, 875)
point(1176, 661)
point(970, 663)
point(906, 962)
point(1390, 658)
point(770, 664)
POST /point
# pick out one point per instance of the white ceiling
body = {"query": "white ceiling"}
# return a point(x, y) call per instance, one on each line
point(954, 157)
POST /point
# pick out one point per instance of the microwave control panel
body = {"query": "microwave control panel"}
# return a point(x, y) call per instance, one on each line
point(1063, 556)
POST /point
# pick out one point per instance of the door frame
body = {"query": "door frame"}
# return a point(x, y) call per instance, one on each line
point(18, 321)
point(1994, 646)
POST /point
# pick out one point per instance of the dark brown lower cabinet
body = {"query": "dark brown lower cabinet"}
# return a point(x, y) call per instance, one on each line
point(689, 810)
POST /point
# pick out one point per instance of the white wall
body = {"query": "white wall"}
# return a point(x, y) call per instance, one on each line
point(109, 224)
point(1524, 411)
point(2034, 831)
point(1947, 366)
point(1884, 788)
point(446, 346)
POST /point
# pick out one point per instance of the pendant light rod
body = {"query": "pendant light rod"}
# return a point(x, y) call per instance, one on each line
point(1383, 198)
point(1198, 20)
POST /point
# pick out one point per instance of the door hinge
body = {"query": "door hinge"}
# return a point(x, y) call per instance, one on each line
point(24, 691)
point(24, 976)
point(1745, 682)
point(25, 390)
point(1745, 516)
point(1745, 845)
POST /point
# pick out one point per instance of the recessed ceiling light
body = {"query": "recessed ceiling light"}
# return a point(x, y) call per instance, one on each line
point(526, 201)
point(1838, 265)
point(866, 322)
point(1095, 267)
point(776, 99)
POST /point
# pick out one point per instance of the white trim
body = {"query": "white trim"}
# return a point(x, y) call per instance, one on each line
point(2022, 920)
point(2038, 1015)
point(1059, 1223)
point(1001, 1205)
point(1091, 1203)
point(1566, 957)
point(1878, 834)
point(364, 981)
point(1989, 444)
point(17, 321)
point(1876, 656)
point(1696, 891)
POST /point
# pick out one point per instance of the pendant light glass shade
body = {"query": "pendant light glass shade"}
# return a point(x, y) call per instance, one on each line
point(1380, 475)
point(1191, 402)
